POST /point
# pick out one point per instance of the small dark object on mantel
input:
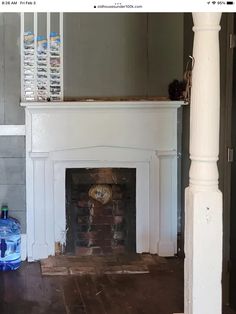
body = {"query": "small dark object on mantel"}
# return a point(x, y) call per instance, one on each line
point(176, 89)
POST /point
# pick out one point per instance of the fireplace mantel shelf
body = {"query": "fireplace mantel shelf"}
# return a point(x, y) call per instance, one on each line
point(141, 104)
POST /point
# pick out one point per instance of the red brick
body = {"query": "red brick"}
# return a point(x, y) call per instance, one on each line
point(117, 196)
point(82, 270)
point(102, 242)
point(83, 195)
point(119, 249)
point(87, 235)
point(118, 208)
point(83, 219)
point(55, 270)
point(83, 203)
point(107, 250)
point(96, 250)
point(103, 220)
point(118, 219)
point(83, 251)
point(116, 269)
point(101, 228)
point(116, 188)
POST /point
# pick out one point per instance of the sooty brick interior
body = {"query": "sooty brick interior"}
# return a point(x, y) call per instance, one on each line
point(94, 228)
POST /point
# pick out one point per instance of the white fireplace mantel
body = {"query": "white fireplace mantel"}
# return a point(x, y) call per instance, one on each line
point(132, 134)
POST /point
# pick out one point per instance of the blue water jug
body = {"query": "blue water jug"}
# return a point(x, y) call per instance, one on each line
point(10, 258)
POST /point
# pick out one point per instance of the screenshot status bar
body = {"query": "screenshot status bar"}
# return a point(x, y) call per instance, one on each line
point(117, 6)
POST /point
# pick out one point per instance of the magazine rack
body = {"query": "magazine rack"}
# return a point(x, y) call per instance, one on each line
point(41, 57)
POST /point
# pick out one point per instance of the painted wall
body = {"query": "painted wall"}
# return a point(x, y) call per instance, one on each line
point(12, 148)
point(104, 55)
point(10, 111)
point(122, 54)
point(165, 51)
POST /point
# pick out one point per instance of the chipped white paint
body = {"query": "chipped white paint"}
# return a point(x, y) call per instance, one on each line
point(203, 208)
point(140, 135)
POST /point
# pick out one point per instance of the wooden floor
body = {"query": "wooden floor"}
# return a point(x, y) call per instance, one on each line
point(26, 291)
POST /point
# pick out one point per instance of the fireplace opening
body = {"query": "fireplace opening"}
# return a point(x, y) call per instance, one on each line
point(100, 211)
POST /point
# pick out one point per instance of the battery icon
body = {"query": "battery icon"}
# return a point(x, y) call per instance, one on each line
point(230, 2)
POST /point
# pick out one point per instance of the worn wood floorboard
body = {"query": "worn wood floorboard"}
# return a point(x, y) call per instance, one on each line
point(110, 295)
point(26, 291)
point(71, 296)
point(118, 293)
point(90, 295)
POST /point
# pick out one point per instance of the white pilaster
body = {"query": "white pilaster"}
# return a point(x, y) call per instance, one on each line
point(39, 245)
point(203, 206)
point(167, 244)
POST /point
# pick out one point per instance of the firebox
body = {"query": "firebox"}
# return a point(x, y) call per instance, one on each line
point(100, 211)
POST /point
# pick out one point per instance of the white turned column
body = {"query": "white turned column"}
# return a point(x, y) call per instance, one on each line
point(203, 203)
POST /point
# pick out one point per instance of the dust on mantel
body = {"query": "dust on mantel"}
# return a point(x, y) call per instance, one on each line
point(118, 98)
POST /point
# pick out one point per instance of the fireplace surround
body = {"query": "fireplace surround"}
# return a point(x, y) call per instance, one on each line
point(120, 134)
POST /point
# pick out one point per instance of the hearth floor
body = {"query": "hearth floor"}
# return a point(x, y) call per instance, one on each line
point(99, 265)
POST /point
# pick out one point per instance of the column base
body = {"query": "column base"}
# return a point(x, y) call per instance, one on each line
point(203, 249)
